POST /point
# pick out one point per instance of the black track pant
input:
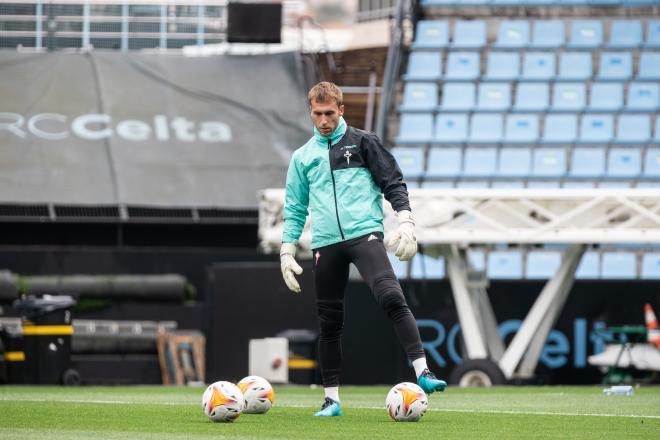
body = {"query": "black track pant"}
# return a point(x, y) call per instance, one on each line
point(331, 265)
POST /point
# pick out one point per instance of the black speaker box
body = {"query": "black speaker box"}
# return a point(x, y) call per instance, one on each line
point(254, 22)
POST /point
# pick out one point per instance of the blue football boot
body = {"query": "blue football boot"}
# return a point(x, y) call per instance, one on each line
point(429, 383)
point(330, 408)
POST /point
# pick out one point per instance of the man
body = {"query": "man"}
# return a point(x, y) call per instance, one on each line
point(340, 175)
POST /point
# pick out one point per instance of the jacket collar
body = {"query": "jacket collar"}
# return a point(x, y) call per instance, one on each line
point(334, 137)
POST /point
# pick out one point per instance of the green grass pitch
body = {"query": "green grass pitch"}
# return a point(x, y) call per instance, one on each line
point(54, 413)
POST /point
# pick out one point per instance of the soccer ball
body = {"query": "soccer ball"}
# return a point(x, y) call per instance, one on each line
point(223, 402)
point(258, 393)
point(406, 402)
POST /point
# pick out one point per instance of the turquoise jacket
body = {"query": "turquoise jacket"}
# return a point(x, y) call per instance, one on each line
point(341, 180)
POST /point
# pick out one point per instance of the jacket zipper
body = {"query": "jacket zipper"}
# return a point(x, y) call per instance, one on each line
point(334, 189)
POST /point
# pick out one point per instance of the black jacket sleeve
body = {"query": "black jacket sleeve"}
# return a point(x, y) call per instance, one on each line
point(385, 172)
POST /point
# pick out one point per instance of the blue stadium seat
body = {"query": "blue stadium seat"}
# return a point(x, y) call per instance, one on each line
point(431, 34)
point(586, 34)
point(560, 129)
point(472, 184)
point(643, 96)
point(415, 128)
point(589, 267)
point(624, 162)
point(653, 34)
point(652, 163)
point(569, 97)
point(650, 266)
point(486, 128)
point(595, 129)
point(574, 66)
point(507, 184)
point(502, 66)
point(649, 66)
point(504, 265)
point(606, 97)
point(469, 34)
point(458, 96)
point(424, 66)
point(625, 34)
point(411, 161)
point(512, 34)
point(451, 128)
point(549, 162)
point(543, 184)
point(424, 267)
point(532, 97)
point(419, 97)
point(614, 184)
point(521, 128)
point(656, 138)
point(538, 66)
point(437, 185)
point(400, 267)
point(480, 162)
point(618, 266)
point(541, 265)
point(515, 162)
point(494, 97)
point(476, 259)
point(588, 162)
point(462, 66)
point(615, 66)
point(633, 129)
point(444, 162)
point(548, 34)
point(579, 184)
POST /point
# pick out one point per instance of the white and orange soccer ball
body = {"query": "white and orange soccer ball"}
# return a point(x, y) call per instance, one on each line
point(223, 402)
point(406, 402)
point(258, 393)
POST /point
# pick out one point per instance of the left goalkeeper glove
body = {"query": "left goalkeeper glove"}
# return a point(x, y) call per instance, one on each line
point(405, 236)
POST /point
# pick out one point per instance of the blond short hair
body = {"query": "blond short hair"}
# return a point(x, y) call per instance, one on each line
point(325, 92)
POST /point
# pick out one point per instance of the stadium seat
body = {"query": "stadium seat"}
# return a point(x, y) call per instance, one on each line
point(560, 129)
point(633, 129)
point(574, 66)
point(650, 266)
point(476, 259)
point(606, 97)
point(543, 184)
point(431, 34)
point(538, 66)
point(579, 184)
point(480, 162)
point(472, 184)
point(532, 97)
point(541, 265)
point(424, 267)
point(400, 267)
point(653, 35)
point(469, 34)
point(589, 267)
point(438, 185)
point(586, 34)
point(415, 128)
point(614, 184)
point(588, 162)
point(548, 34)
point(596, 128)
point(444, 162)
point(507, 184)
point(462, 66)
point(512, 34)
point(424, 66)
point(411, 161)
point(458, 97)
point(618, 265)
point(643, 96)
point(549, 162)
point(624, 162)
point(451, 128)
point(504, 265)
point(625, 34)
point(514, 162)
point(615, 66)
point(649, 66)
point(652, 163)
point(569, 97)
point(656, 138)
point(502, 66)
point(419, 97)
point(521, 128)
point(486, 128)
point(494, 97)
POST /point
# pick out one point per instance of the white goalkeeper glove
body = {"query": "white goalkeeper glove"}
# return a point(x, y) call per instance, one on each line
point(289, 266)
point(406, 248)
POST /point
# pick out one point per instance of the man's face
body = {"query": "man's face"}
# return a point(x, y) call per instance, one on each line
point(325, 116)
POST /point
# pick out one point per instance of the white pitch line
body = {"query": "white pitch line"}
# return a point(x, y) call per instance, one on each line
point(473, 411)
